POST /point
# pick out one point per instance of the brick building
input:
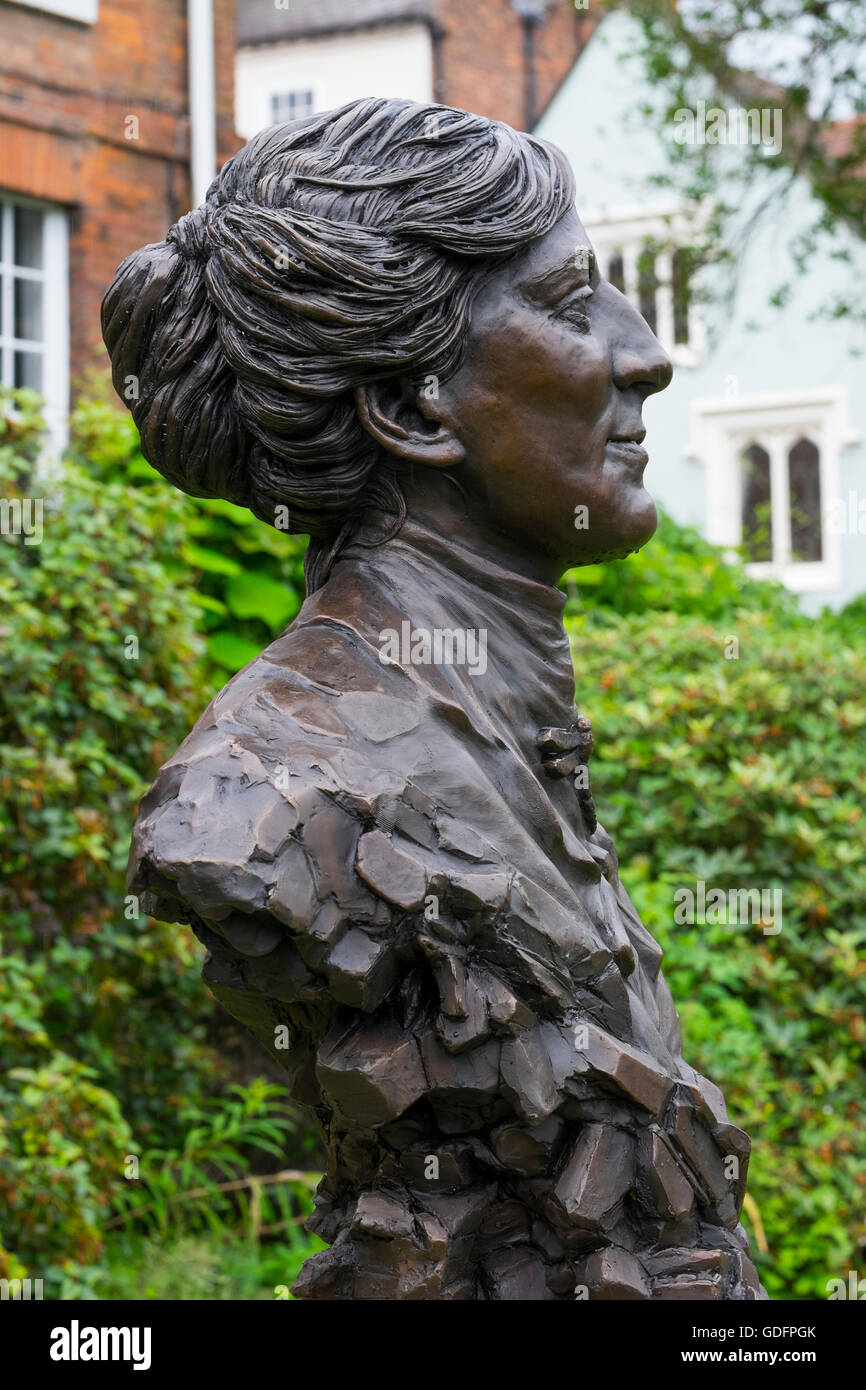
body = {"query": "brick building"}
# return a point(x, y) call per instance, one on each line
point(112, 112)
point(501, 58)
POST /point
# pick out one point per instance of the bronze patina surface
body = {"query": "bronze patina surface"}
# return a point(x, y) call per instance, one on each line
point(386, 328)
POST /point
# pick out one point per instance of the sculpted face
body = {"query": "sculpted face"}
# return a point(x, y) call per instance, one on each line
point(541, 426)
point(548, 402)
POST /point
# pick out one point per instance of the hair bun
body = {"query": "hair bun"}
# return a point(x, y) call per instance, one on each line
point(190, 235)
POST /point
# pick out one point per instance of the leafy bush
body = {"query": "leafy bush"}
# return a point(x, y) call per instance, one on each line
point(204, 1266)
point(177, 1188)
point(678, 572)
point(112, 1045)
point(198, 1237)
point(245, 578)
point(101, 666)
point(61, 1137)
point(104, 1017)
point(747, 769)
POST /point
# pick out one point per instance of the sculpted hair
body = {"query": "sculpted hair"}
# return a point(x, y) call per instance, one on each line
point(330, 253)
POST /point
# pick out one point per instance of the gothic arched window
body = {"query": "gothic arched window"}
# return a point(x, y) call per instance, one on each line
point(756, 513)
point(804, 493)
point(647, 284)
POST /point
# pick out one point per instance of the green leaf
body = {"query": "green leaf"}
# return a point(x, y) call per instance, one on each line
point(215, 506)
point(230, 651)
point(210, 560)
point(589, 574)
point(209, 604)
point(254, 595)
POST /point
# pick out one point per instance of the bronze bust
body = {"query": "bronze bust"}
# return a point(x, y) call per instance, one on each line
point(385, 328)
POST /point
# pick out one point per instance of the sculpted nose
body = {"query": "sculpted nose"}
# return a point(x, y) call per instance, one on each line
point(639, 360)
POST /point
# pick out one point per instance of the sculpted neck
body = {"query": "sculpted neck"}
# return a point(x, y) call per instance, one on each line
point(443, 573)
point(436, 501)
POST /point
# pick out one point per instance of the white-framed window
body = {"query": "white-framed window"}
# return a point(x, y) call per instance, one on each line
point(772, 464)
point(391, 60)
point(646, 252)
point(84, 11)
point(292, 105)
point(34, 305)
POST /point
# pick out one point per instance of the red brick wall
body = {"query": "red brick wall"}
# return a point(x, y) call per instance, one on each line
point(481, 60)
point(65, 93)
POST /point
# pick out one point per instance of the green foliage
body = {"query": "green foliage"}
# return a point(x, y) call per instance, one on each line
point(245, 578)
point(749, 771)
point(678, 572)
point(203, 1183)
point(850, 622)
point(97, 645)
point(102, 675)
point(61, 1137)
point(204, 1266)
point(107, 1029)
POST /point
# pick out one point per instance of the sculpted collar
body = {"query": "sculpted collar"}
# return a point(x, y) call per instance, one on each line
point(441, 584)
point(520, 674)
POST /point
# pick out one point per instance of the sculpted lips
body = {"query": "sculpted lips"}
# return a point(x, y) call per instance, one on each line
point(628, 447)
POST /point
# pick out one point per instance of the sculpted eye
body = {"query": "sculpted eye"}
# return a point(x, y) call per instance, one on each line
point(574, 310)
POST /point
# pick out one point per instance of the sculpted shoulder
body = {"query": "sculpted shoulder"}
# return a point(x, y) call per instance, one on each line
point(329, 795)
point(315, 729)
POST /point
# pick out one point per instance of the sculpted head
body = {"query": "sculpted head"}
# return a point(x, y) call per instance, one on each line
point(388, 307)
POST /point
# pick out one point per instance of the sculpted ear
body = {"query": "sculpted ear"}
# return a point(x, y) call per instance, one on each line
point(403, 423)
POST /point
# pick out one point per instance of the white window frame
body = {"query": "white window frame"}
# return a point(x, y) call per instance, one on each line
point(54, 277)
point(625, 230)
point(723, 426)
point(82, 11)
point(285, 89)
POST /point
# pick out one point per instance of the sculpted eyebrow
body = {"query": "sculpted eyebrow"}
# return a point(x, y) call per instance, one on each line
point(573, 273)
